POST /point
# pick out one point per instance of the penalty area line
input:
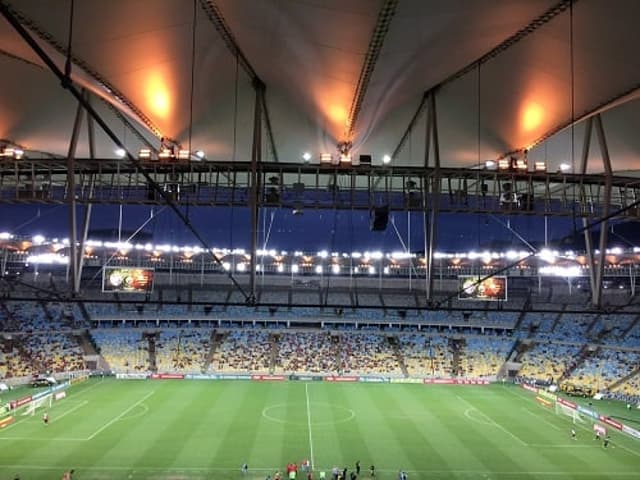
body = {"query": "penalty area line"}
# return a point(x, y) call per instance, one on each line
point(72, 409)
point(493, 422)
point(114, 420)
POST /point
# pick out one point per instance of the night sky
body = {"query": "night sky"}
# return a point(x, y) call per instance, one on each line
point(331, 230)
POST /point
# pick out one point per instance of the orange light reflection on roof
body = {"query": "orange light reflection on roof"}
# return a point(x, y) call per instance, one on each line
point(532, 116)
point(157, 96)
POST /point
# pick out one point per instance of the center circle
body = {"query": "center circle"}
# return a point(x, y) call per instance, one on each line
point(315, 414)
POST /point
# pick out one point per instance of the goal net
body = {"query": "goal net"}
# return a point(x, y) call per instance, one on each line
point(569, 412)
point(34, 405)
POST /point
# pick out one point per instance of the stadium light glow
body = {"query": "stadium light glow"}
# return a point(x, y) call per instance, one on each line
point(335, 268)
point(48, 259)
point(372, 270)
point(318, 269)
point(557, 271)
point(489, 164)
point(120, 152)
point(565, 167)
point(38, 239)
point(280, 268)
point(323, 254)
point(547, 255)
point(294, 268)
point(306, 156)
point(200, 154)
point(386, 159)
point(5, 235)
point(226, 266)
point(241, 267)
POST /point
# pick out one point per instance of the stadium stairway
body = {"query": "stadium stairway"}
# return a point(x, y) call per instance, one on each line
point(521, 316)
point(593, 324)
point(617, 383)
point(86, 343)
point(216, 340)
point(585, 352)
point(85, 313)
point(47, 312)
point(631, 326)
point(275, 346)
point(456, 345)
point(393, 341)
point(520, 349)
point(6, 318)
point(152, 338)
point(558, 317)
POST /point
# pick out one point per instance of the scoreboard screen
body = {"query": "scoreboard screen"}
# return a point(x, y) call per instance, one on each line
point(472, 287)
point(127, 280)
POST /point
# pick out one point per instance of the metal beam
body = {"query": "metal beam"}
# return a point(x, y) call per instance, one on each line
point(66, 84)
point(256, 158)
point(216, 17)
point(627, 95)
point(115, 94)
point(385, 16)
point(534, 25)
point(88, 208)
point(585, 202)
point(436, 180)
point(71, 194)
point(604, 227)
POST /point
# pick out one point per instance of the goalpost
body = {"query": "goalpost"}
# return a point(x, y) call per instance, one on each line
point(34, 405)
point(569, 412)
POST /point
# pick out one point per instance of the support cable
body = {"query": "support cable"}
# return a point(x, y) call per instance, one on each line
point(15, 23)
point(506, 268)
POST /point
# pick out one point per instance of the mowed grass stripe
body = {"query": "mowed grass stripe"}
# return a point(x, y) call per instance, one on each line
point(343, 436)
point(595, 458)
point(428, 410)
point(504, 411)
point(200, 429)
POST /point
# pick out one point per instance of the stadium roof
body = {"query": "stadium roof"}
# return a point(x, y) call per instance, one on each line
point(334, 70)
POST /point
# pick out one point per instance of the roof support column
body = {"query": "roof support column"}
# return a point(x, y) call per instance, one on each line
point(89, 206)
point(254, 191)
point(604, 226)
point(432, 231)
point(584, 201)
point(71, 194)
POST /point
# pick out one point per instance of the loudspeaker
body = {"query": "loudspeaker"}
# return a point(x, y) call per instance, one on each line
point(379, 217)
point(365, 160)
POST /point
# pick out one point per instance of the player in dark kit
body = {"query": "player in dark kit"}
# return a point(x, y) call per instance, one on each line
point(606, 441)
point(358, 467)
point(372, 471)
point(45, 418)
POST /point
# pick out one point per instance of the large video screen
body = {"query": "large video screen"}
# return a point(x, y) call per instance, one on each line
point(127, 280)
point(490, 289)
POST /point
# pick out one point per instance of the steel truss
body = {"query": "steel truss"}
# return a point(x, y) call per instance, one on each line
point(304, 186)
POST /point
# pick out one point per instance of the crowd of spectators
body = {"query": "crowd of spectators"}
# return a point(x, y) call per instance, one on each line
point(182, 351)
point(124, 350)
point(546, 360)
point(426, 355)
point(483, 356)
point(307, 352)
point(243, 351)
point(367, 354)
point(603, 368)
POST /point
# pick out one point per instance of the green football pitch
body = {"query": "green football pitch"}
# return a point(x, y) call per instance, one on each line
point(171, 429)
